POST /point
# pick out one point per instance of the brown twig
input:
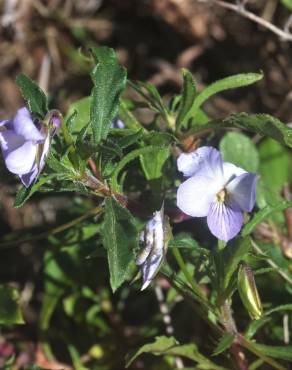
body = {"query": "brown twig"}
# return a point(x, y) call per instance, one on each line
point(239, 9)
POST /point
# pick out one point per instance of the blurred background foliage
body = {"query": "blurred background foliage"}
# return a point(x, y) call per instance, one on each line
point(72, 319)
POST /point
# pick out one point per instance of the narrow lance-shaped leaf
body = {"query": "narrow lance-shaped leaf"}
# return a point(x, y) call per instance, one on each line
point(109, 80)
point(263, 214)
point(262, 124)
point(169, 346)
point(25, 193)
point(188, 96)
point(34, 96)
point(120, 237)
point(227, 83)
point(224, 343)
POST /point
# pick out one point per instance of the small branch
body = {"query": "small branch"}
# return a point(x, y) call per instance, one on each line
point(14, 243)
point(239, 9)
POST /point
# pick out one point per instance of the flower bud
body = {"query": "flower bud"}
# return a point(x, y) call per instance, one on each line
point(248, 292)
point(154, 238)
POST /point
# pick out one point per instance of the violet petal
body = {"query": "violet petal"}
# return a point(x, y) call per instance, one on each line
point(195, 195)
point(224, 221)
point(205, 158)
point(28, 178)
point(19, 155)
point(242, 190)
point(23, 125)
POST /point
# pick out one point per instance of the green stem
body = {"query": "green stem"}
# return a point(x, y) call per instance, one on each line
point(249, 346)
point(56, 230)
point(196, 288)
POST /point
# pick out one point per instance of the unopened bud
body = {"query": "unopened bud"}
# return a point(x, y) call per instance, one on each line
point(154, 238)
point(248, 292)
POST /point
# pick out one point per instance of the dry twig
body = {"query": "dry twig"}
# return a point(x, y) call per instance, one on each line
point(239, 8)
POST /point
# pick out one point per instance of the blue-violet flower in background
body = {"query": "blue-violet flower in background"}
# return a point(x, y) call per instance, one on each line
point(216, 189)
point(24, 145)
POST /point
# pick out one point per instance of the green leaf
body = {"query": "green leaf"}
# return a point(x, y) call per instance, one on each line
point(152, 164)
point(25, 193)
point(227, 83)
point(262, 215)
point(128, 158)
point(238, 149)
point(127, 117)
point(130, 139)
point(82, 109)
point(169, 346)
point(224, 343)
point(120, 237)
point(10, 312)
point(34, 96)
point(262, 124)
point(254, 326)
point(185, 240)
point(283, 307)
point(283, 353)
point(232, 256)
point(275, 164)
point(158, 347)
point(109, 80)
point(187, 97)
point(288, 4)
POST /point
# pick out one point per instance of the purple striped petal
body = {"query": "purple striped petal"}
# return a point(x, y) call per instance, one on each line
point(242, 190)
point(224, 221)
point(28, 178)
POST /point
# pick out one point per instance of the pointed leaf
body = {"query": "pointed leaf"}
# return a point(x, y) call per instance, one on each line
point(263, 214)
point(109, 80)
point(34, 96)
point(227, 83)
point(188, 96)
point(120, 238)
point(262, 124)
point(25, 193)
point(224, 343)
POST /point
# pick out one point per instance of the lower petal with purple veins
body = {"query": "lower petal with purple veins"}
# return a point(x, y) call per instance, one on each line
point(224, 220)
point(28, 178)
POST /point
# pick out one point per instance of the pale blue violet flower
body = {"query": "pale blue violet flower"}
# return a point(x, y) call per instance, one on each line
point(117, 123)
point(216, 189)
point(24, 145)
point(154, 238)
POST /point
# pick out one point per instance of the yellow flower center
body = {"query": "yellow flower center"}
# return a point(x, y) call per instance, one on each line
point(221, 195)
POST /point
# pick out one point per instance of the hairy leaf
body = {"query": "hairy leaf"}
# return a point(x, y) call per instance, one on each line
point(187, 97)
point(224, 343)
point(262, 124)
point(263, 214)
point(109, 80)
point(34, 96)
point(227, 83)
point(120, 237)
